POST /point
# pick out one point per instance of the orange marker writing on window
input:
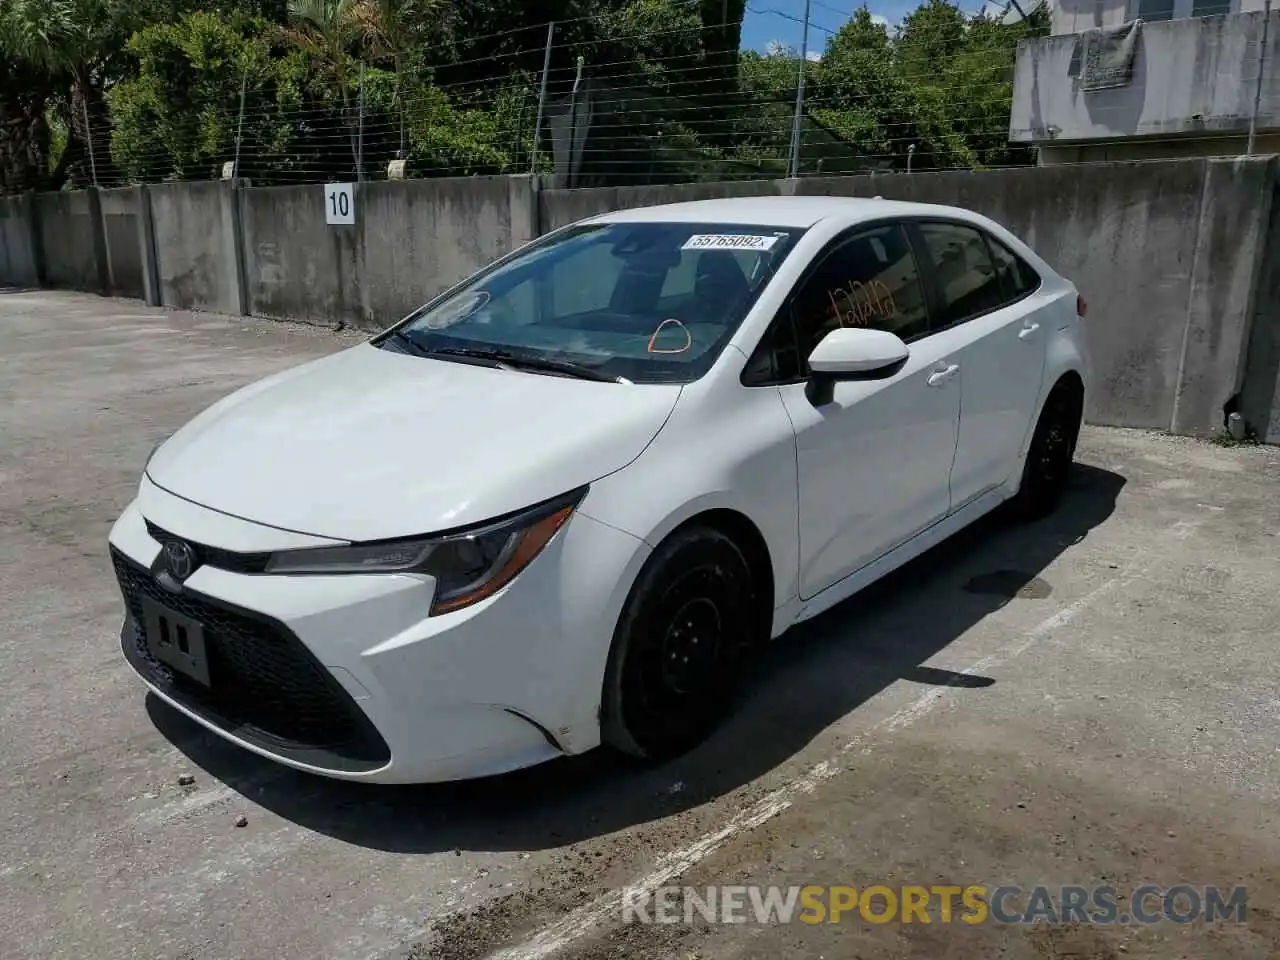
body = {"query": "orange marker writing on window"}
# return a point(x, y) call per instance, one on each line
point(688, 337)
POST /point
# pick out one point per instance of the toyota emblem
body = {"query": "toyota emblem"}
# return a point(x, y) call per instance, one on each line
point(180, 558)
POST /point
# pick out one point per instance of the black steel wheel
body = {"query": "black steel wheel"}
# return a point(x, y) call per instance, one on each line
point(677, 646)
point(1050, 455)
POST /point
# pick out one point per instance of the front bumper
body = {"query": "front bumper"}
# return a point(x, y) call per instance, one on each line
point(346, 676)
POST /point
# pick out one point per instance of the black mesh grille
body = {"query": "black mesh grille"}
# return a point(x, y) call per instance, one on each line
point(264, 684)
point(215, 556)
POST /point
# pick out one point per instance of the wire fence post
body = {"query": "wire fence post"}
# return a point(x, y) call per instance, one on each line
point(1257, 87)
point(400, 103)
point(542, 98)
point(360, 129)
point(244, 82)
point(88, 137)
point(573, 123)
point(793, 165)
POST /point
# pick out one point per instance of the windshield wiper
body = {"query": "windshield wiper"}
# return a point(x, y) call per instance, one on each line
point(406, 344)
point(508, 359)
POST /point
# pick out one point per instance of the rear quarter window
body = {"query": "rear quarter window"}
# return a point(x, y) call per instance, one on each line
point(1017, 277)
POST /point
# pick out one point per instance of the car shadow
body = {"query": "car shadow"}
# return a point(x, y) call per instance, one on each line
point(795, 688)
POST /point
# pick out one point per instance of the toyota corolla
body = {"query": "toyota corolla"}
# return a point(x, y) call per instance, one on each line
point(554, 506)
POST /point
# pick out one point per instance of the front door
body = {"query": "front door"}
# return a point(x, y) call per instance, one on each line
point(874, 461)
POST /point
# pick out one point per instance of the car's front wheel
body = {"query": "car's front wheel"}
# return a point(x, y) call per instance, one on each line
point(677, 645)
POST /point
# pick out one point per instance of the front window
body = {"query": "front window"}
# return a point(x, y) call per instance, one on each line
point(1155, 9)
point(644, 302)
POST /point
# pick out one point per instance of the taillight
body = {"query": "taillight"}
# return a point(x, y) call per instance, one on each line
point(1081, 307)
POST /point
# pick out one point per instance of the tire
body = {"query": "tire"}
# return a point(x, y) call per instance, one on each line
point(673, 666)
point(1049, 457)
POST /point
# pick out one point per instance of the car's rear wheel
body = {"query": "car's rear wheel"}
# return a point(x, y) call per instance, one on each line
point(1049, 457)
point(677, 646)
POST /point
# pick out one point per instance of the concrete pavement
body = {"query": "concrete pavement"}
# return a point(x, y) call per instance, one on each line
point(1090, 697)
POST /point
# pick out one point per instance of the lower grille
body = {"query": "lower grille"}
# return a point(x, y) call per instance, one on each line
point(265, 686)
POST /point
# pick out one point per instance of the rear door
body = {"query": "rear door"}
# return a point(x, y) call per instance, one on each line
point(984, 297)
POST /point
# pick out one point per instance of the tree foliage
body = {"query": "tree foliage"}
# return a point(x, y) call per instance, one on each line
point(336, 88)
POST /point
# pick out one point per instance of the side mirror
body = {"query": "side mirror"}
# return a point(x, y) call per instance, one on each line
point(851, 353)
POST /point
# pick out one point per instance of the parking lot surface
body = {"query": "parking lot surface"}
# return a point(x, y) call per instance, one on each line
point(1089, 699)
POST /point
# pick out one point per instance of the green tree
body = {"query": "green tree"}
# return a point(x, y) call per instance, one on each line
point(25, 137)
point(179, 117)
point(391, 32)
point(330, 32)
point(78, 46)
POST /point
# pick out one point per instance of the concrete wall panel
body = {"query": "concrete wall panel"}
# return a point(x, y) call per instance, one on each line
point(297, 268)
point(18, 264)
point(421, 237)
point(191, 242)
point(66, 236)
point(124, 256)
point(562, 207)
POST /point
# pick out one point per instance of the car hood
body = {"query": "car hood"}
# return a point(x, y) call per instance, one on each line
point(368, 444)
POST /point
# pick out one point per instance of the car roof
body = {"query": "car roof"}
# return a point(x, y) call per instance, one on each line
point(778, 211)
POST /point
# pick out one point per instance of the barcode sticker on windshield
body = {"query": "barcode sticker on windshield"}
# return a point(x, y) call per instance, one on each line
point(728, 241)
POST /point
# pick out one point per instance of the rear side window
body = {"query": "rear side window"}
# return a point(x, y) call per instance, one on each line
point(966, 277)
point(1017, 279)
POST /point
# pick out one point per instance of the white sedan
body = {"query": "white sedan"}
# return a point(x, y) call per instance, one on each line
point(553, 507)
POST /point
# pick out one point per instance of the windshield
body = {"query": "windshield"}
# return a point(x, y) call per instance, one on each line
point(648, 302)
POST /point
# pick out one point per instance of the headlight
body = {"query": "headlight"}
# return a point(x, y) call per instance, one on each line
point(467, 566)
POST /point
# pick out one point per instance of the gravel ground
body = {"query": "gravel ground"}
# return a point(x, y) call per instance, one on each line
point(1088, 700)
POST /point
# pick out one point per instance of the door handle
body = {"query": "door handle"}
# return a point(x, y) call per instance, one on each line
point(939, 377)
point(1027, 330)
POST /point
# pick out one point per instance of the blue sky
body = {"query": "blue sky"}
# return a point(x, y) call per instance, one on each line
point(782, 21)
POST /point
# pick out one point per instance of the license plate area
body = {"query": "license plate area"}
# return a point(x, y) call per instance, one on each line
point(175, 640)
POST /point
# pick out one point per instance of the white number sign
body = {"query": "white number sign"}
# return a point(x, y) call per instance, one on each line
point(339, 203)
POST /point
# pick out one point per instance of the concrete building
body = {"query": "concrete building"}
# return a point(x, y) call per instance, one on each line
point(1186, 80)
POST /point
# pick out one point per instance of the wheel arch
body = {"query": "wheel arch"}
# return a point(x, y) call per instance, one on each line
point(742, 530)
point(1071, 381)
point(746, 536)
point(1068, 378)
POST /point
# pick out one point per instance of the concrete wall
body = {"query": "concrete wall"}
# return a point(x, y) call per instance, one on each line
point(192, 243)
point(1194, 78)
point(1166, 254)
point(18, 254)
point(561, 207)
point(1074, 16)
point(67, 232)
point(120, 227)
point(1260, 397)
point(1113, 151)
point(296, 267)
point(1177, 259)
point(411, 240)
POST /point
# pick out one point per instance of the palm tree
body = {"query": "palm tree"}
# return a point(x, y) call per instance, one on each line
point(24, 131)
point(331, 30)
point(70, 42)
point(336, 31)
point(388, 34)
